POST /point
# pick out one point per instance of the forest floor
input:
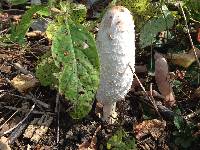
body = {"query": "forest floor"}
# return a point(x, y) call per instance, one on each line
point(37, 120)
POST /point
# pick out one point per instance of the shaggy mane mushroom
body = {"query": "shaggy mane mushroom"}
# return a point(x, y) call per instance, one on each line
point(116, 48)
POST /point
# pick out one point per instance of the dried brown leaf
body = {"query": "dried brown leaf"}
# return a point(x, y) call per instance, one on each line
point(162, 78)
point(154, 127)
point(24, 82)
point(5, 69)
point(182, 59)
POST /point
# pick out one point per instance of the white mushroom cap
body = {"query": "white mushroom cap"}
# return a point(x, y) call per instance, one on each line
point(116, 47)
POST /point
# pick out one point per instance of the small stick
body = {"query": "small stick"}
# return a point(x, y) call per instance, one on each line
point(16, 133)
point(45, 105)
point(150, 98)
point(193, 114)
point(20, 123)
point(57, 110)
point(9, 118)
point(25, 111)
point(190, 38)
point(31, 97)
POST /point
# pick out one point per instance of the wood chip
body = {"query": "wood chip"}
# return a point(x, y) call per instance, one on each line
point(37, 128)
point(4, 144)
point(31, 128)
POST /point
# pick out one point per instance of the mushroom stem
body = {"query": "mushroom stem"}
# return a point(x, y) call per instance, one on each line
point(109, 112)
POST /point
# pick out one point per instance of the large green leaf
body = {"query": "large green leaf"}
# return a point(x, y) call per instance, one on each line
point(152, 27)
point(74, 50)
point(20, 30)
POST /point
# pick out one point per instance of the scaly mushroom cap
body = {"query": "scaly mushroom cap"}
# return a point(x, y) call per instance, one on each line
point(116, 47)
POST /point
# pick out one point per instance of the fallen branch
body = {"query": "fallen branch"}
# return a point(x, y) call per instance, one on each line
point(29, 97)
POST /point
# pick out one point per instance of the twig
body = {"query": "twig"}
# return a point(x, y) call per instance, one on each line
point(25, 111)
point(146, 94)
point(57, 110)
point(10, 130)
point(190, 38)
point(29, 97)
point(193, 114)
point(16, 133)
point(9, 118)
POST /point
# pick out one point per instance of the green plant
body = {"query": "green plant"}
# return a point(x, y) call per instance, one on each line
point(150, 30)
point(193, 7)
point(46, 70)
point(142, 10)
point(19, 31)
point(121, 141)
point(183, 134)
point(74, 70)
point(17, 2)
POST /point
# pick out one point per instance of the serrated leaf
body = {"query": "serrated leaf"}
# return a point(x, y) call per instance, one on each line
point(152, 27)
point(20, 30)
point(79, 77)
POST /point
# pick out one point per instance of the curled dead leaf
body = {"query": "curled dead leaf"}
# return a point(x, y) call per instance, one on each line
point(23, 83)
point(182, 59)
point(153, 127)
point(162, 78)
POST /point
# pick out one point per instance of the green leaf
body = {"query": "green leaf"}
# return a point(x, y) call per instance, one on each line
point(20, 30)
point(44, 12)
point(74, 51)
point(178, 120)
point(152, 27)
point(46, 69)
point(17, 2)
point(78, 12)
point(51, 29)
point(121, 141)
